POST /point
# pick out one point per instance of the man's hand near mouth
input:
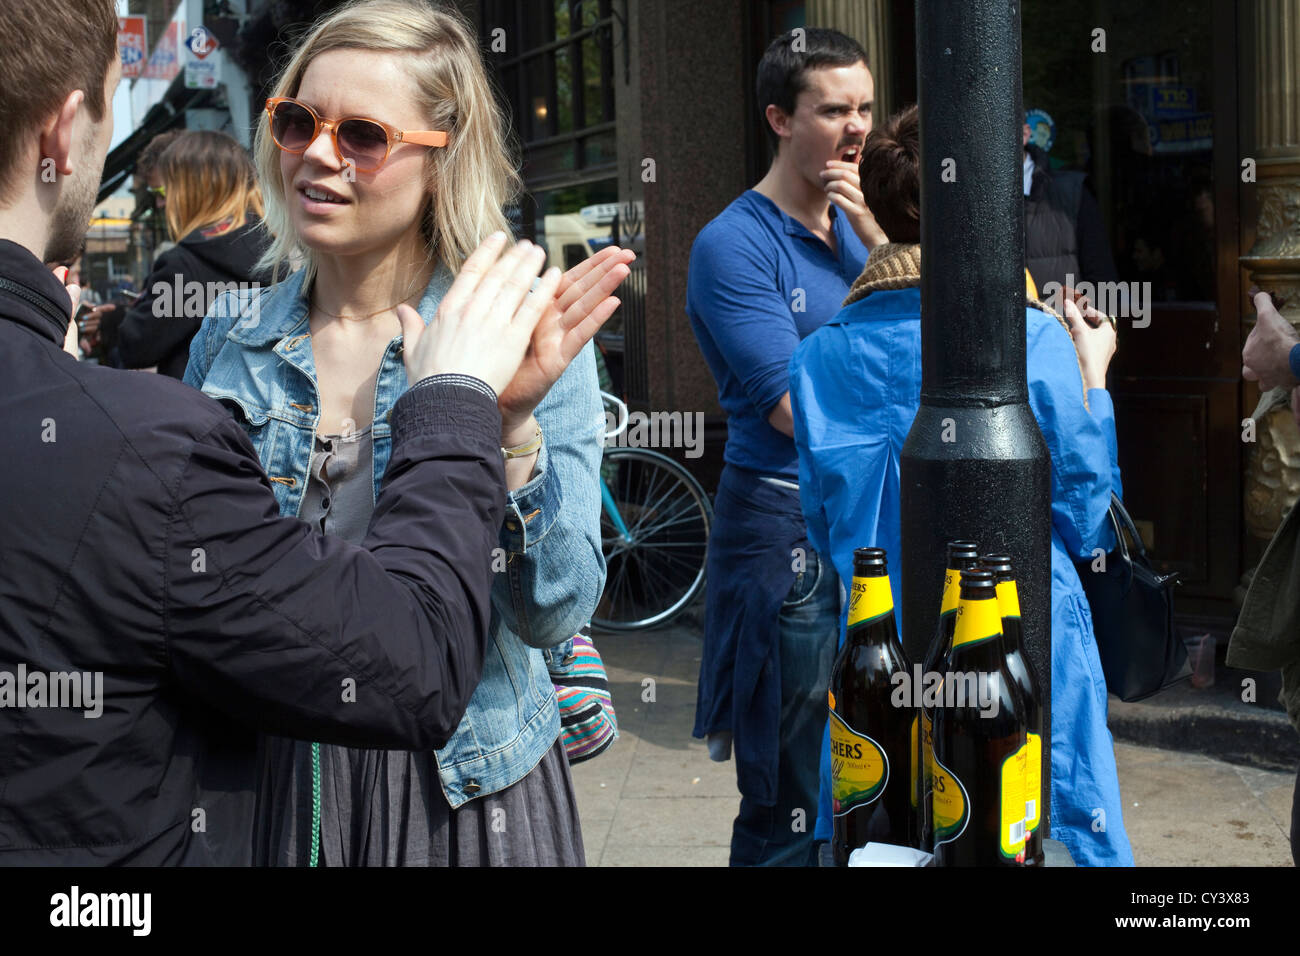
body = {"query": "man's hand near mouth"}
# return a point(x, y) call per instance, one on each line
point(844, 189)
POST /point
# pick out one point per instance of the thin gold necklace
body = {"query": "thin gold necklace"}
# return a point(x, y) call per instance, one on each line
point(370, 315)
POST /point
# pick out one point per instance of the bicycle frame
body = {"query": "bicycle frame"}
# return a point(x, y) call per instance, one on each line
point(611, 509)
point(606, 496)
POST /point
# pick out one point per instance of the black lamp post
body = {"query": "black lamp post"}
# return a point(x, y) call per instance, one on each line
point(975, 465)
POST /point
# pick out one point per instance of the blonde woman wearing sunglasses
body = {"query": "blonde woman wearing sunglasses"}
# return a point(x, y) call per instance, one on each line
point(383, 167)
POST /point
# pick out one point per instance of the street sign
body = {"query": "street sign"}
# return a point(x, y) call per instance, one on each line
point(201, 42)
point(165, 61)
point(201, 75)
point(131, 45)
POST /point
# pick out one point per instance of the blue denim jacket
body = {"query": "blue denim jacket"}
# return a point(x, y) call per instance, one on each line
point(254, 355)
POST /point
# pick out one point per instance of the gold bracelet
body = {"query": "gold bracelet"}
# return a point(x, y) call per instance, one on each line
point(526, 449)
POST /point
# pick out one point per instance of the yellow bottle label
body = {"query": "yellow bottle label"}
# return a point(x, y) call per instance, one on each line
point(1008, 599)
point(977, 621)
point(1033, 782)
point(869, 598)
point(859, 768)
point(951, 591)
point(1011, 832)
point(950, 805)
point(915, 764)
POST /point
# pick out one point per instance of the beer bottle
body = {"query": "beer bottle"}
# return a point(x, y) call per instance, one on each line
point(961, 555)
point(1022, 673)
point(979, 741)
point(871, 738)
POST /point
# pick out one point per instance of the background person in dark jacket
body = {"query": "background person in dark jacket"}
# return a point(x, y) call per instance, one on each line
point(143, 563)
point(1064, 232)
point(214, 210)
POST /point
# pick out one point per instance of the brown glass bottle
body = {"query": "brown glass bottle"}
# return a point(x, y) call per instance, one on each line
point(871, 738)
point(979, 740)
point(1022, 673)
point(961, 556)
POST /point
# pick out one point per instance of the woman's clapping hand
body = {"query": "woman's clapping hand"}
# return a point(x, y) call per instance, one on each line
point(487, 318)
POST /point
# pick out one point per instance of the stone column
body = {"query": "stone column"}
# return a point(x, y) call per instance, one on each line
point(1273, 470)
point(867, 21)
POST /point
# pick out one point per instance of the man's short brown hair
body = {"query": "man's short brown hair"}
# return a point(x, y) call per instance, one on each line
point(890, 176)
point(47, 50)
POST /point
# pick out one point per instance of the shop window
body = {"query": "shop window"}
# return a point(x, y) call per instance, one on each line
point(556, 78)
point(1139, 121)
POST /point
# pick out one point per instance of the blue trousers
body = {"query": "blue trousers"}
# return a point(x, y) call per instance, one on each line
point(782, 835)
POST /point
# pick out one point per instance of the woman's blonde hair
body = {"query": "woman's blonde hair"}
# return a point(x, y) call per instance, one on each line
point(209, 177)
point(454, 95)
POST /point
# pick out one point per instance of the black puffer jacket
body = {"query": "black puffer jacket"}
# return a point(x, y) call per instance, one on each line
point(179, 291)
point(1064, 232)
point(140, 542)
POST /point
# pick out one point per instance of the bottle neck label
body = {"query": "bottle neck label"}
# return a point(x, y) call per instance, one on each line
point(949, 804)
point(859, 768)
point(869, 599)
point(1008, 599)
point(951, 591)
point(977, 621)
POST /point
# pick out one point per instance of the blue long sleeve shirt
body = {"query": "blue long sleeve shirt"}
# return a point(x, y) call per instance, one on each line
point(759, 282)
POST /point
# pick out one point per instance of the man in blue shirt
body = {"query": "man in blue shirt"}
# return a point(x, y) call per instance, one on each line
point(771, 268)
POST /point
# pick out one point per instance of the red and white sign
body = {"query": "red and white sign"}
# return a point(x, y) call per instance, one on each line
point(165, 62)
point(132, 45)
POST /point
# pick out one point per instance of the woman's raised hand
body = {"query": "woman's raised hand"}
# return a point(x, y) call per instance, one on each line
point(486, 319)
point(581, 304)
point(1094, 341)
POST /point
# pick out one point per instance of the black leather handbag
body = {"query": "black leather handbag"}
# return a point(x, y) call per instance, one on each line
point(1133, 616)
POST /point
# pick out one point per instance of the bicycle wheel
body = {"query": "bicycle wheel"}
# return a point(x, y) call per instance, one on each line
point(654, 532)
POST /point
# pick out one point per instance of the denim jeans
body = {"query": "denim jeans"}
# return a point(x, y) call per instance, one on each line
point(782, 835)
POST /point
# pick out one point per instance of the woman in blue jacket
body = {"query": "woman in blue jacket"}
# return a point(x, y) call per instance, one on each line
point(382, 165)
point(855, 388)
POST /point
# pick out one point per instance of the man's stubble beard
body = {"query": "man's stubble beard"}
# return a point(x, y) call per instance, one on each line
point(71, 221)
point(71, 218)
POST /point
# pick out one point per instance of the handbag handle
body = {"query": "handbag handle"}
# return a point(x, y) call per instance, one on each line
point(1120, 517)
point(1120, 522)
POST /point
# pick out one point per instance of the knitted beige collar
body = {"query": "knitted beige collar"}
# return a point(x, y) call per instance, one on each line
point(897, 265)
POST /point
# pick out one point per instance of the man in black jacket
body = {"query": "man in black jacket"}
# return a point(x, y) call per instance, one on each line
point(1065, 237)
point(154, 607)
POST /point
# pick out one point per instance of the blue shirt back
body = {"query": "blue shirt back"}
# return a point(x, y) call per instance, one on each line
point(759, 282)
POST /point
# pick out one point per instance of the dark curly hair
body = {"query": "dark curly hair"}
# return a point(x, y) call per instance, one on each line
point(890, 172)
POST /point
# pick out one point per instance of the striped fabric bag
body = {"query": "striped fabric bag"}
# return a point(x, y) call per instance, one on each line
point(587, 722)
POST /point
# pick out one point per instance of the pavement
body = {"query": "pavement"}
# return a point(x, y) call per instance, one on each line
point(656, 799)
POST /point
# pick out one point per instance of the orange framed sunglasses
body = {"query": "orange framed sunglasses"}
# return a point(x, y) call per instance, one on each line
point(358, 140)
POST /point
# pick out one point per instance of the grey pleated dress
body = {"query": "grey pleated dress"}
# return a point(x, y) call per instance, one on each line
point(387, 807)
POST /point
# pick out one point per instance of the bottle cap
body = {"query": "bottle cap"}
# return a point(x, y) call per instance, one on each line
point(977, 578)
point(999, 564)
point(962, 549)
point(868, 559)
